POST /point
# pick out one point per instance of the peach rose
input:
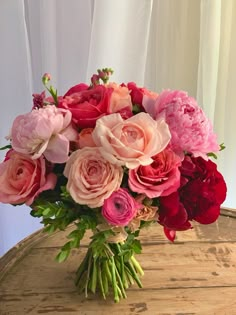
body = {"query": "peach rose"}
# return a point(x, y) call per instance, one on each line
point(85, 138)
point(22, 178)
point(130, 142)
point(91, 178)
point(120, 100)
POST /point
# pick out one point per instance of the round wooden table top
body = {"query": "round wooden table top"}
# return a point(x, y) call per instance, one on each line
point(195, 275)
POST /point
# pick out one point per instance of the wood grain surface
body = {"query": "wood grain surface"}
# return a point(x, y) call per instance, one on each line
point(195, 275)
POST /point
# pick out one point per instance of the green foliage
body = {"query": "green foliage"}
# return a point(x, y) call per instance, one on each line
point(6, 147)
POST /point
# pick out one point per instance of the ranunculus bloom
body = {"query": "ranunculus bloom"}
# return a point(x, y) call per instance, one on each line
point(46, 131)
point(138, 93)
point(202, 191)
point(91, 178)
point(130, 142)
point(191, 130)
point(87, 105)
point(22, 179)
point(120, 101)
point(120, 208)
point(160, 178)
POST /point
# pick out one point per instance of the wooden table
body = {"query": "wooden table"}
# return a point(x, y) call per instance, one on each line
point(195, 275)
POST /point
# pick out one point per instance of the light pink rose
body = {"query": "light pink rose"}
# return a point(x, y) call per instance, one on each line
point(23, 179)
point(46, 131)
point(85, 138)
point(91, 178)
point(130, 142)
point(120, 101)
point(120, 208)
point(191, 130)
point(160, 178)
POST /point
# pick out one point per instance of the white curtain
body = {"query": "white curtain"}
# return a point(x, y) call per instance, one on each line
point(182, 44)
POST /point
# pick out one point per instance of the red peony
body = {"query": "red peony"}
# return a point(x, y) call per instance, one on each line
point(202, 191)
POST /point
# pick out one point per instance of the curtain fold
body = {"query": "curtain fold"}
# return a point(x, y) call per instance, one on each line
point(188, 45)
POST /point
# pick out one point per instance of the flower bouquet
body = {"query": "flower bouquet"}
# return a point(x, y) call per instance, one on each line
point(112, 159)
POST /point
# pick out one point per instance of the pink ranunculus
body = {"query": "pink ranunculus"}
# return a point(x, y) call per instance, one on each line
point(120, 208)
point(91, 178)
point(46, 131)
point(160, 178)
point(130, 142)
point(120, 101)
point(191, 130)
point(22, 179)
point(87, 105)
point(138, 93)
point(85, 138)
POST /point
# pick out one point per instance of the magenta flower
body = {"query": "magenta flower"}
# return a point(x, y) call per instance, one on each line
point(120, 208)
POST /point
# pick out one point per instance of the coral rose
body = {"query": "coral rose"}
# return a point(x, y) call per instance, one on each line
point(22, 179)
point(91, 178)
point(160, 178)
point(191, 130)
point(46, 131)
point(130, 142)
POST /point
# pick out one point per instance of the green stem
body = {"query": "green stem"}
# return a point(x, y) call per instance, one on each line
point(88, 274)
point(114, 284)
point(134, 274)
point(137, 266)
point(94, 276)
point(100, 281)
point(120, 283)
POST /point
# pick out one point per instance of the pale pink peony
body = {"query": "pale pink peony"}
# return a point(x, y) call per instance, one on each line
point(46, 131)
point(120, 101)
point(160, 178)
point(191, 130)
point(91, 178)
point(23, 179)
point(120, 208)
point(130, 142)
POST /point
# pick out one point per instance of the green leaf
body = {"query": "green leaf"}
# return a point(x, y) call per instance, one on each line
point(136, 246)
point(62, 256)
point(6, 147)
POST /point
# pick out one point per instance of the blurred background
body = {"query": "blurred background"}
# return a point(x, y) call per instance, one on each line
point(184, 44)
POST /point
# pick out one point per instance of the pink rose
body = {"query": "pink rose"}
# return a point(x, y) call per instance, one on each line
point(138, 93)
point(160, 178)
point(120, 101)
point(46, 131)
point(87, 105)
point(191, 130)
point(130, 142)
point(91, 178)
point(23, 179)
point(120, 208)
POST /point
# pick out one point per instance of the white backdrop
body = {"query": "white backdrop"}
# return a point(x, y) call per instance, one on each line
point(180, 44)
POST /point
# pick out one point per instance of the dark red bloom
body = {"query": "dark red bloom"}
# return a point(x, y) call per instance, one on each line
point(202, 191)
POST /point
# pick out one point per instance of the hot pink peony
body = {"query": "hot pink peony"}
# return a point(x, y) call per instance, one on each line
point(160, 178)
point(130, 142)
point(120, 208)
point(91, 178)
point(190, 129)
point(46, 131)
point(23, 179)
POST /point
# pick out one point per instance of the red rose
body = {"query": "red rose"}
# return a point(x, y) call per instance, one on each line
point(87, 105)
point(137, 93)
